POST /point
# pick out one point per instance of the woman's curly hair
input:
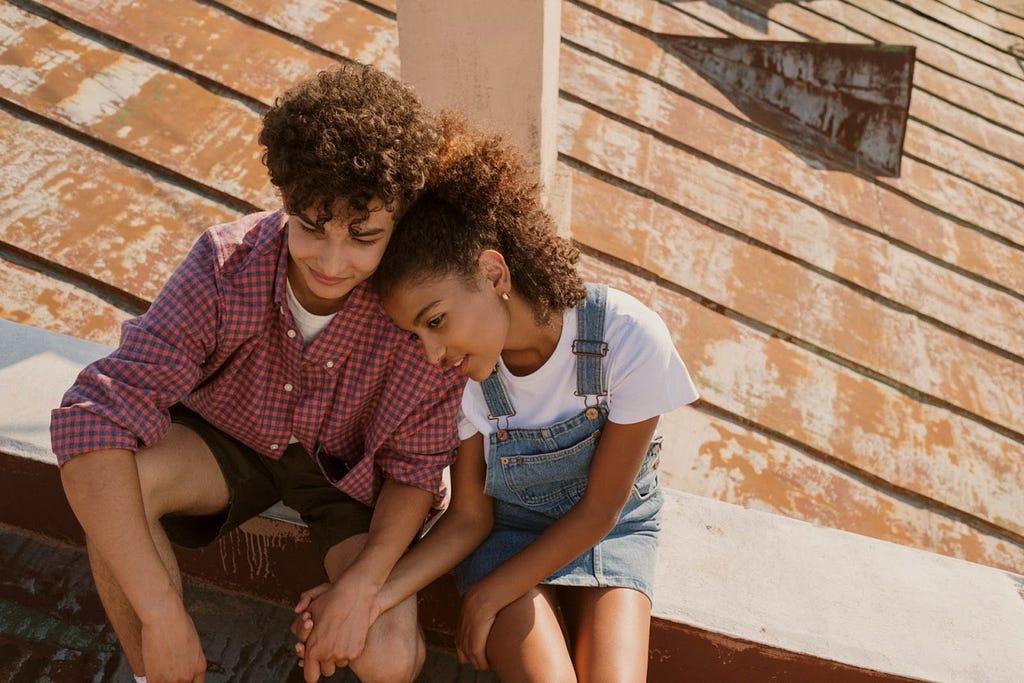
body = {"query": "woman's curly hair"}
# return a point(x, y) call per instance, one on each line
point(482, 196)
point(350, 133)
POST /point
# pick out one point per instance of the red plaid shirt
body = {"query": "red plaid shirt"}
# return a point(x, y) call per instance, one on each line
point(221, 340)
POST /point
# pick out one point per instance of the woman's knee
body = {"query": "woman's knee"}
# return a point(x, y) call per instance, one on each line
point(527, 643)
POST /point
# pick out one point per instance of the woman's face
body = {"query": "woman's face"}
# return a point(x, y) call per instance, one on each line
point(326, 264)
point(459, 324)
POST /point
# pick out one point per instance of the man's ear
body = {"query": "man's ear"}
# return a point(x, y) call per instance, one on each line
point(494, 270)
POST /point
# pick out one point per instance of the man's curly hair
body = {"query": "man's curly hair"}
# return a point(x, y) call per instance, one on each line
point(349, 133)
point(483, 196)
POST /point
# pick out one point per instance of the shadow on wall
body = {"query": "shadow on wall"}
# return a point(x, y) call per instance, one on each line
point(753, 13)
point(1017, 50)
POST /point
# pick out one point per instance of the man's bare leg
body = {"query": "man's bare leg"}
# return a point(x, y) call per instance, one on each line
point(177, 475)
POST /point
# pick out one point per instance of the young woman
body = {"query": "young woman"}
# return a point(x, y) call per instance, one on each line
point(555, 501)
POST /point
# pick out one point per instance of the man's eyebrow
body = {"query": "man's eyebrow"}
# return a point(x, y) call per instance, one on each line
point(423, 311)
point(356, 232)
point(305, 219)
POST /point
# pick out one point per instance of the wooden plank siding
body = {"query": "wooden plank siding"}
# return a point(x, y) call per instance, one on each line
point(78, 207)
point(858, 341)
point(830, 317)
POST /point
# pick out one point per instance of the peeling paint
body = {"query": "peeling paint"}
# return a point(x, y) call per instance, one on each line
point(106, 93)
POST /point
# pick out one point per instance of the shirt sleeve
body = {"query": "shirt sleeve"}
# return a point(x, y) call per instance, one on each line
point(646, 376)
point(425, 444)
point(466, 426)
point(121, 401)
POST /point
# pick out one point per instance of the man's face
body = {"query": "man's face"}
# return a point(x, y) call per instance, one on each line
point(327, 263)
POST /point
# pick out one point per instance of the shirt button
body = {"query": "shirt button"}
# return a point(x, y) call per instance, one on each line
point(291, 334)
point(288, 387)
point(329, 363)
point(273, 446)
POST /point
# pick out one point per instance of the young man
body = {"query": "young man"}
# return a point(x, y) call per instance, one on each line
point(266, 370)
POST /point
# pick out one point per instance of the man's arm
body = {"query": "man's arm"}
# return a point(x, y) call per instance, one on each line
point(103, 490)
point(344, 613)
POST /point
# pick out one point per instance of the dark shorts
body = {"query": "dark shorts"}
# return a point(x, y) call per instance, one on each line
point(255, 482)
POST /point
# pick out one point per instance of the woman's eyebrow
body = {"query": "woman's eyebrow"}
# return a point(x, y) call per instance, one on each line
point(424, 310)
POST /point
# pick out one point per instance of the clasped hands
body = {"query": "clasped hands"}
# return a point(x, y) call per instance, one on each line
point(333, 620)
point(331, 625)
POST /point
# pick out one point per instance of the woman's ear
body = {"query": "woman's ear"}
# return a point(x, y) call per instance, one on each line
point(494, 270)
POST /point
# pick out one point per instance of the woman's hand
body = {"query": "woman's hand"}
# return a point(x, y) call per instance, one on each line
point(475, 624)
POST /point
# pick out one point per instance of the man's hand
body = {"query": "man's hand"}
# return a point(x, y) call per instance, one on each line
point(340, 616)
point(171, 649)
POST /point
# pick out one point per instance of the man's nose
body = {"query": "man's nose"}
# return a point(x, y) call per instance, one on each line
point(333, 260)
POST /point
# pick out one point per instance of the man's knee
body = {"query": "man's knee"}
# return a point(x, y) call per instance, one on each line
point(180, 475)
point(396, 660)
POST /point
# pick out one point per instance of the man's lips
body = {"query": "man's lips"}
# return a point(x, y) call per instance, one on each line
point(324, 280)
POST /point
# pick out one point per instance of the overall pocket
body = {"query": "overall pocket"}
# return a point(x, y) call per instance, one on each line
point(550, 482)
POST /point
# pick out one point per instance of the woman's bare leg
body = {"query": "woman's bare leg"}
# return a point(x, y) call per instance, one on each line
point(611, 633)
point(526, 642)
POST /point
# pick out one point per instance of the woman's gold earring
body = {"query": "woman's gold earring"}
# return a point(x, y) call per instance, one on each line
point(504, 296)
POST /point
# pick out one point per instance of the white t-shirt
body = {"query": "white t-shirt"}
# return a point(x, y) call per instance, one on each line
point(644, 374)
point(310, 324)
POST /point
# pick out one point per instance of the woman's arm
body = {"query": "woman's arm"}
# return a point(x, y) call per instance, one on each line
point(614, 468)
point(456, 534)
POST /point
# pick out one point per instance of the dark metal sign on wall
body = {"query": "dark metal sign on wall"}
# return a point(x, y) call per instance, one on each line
point(836, 105)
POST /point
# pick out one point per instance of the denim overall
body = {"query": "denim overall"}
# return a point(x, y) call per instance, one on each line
point(536, 475)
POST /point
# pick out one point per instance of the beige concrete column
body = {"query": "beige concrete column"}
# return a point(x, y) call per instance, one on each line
point(497, 62)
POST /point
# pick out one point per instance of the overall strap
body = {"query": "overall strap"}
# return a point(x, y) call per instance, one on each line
point(499, 405)
point(590, 347)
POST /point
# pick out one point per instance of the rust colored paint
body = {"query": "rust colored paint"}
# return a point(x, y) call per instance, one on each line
point(350, 29)
point(846, 416)
point(875, 206)
point(1001, 177)
point(32, 298)
point(87, 211)
point(710, 456)
point(123, 102)
point(929, 25)
point(981, 133)
point(847, 103)
point(683, 653)
point(767, 288)
point(797, 228)
point(633, 48)
point(203, 40)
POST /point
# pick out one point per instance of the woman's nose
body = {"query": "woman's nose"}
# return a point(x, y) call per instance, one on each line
point(434, 352)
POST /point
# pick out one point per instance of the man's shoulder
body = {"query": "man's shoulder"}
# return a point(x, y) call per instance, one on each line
point(246, 237)
point(394, 352)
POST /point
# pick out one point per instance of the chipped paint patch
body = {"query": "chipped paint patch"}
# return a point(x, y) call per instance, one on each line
point(107, 92)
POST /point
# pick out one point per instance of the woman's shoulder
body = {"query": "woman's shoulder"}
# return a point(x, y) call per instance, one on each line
point(624, 310)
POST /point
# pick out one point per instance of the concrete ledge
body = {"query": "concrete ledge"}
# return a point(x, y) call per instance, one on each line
point(740, 594)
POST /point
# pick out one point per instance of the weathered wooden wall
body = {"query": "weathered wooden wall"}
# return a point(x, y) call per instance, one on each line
point(858, 340)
